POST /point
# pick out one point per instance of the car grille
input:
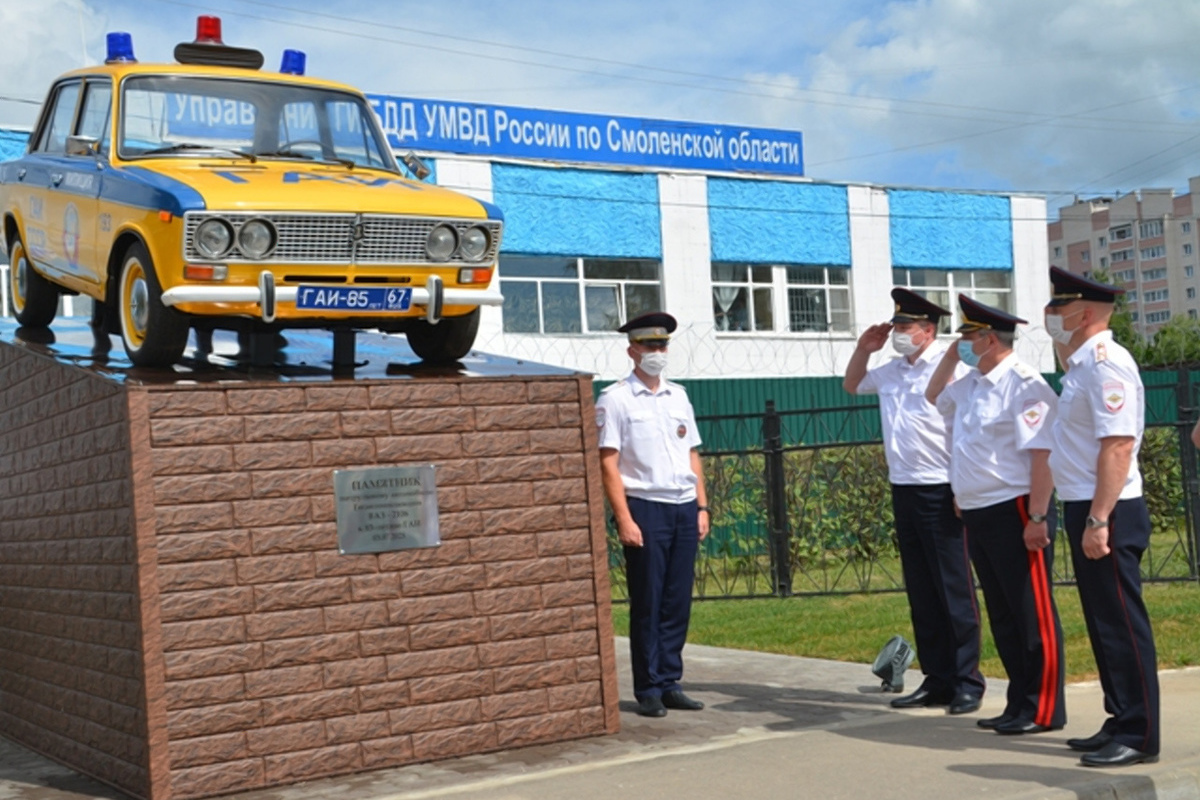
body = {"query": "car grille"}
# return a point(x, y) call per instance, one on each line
point(331, 238)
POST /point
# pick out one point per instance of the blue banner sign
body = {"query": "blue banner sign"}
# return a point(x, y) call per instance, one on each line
point(486, 130)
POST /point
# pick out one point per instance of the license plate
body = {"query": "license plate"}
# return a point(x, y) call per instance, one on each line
point(344, 298)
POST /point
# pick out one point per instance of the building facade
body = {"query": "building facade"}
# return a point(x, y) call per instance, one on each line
point(1145, 242)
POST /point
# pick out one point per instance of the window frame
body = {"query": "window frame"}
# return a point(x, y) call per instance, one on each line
point(582, 283)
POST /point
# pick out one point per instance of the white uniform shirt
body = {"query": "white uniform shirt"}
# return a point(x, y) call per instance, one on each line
point(916, 438)
point(654, 433)
point(998, 418)
point(1102, 395)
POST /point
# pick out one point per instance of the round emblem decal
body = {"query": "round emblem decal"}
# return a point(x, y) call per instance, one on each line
point(681, 431)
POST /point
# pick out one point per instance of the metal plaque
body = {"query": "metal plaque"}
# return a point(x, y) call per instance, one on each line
point(386, 508)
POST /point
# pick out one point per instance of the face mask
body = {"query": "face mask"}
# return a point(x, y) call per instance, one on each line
point(966, 354)
point(903, 342)
point(1054, 327)
point(654, 362)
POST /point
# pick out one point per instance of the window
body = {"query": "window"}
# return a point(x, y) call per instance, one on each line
point(1122, 255)
point(1187, 249)
point(1159, 274)
point(551, 294)
point(1148, 253)
point(60, 120)
point(1131, 296)
point(1057, 252)
point(1103, 262)
point(1124, 276)
point(990, 286)
point(1121, 232)
point(743, 299)
point(1149, 230)
point(1191, 313)
point(1188, 271)
point(1133, 315)
point(97, 107)
point(1186, 227)
point(1155, 296)
point(1103, 241)
point(1155, 317)
point(1191, 293)
point(818, 299)
point(1086, 256)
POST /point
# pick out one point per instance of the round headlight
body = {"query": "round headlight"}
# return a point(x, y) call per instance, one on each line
point(442, 243)
point(475, 243)
point(256, 238)
point(213, 238)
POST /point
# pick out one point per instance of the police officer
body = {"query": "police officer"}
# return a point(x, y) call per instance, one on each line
point(999, 469)
point(655, 484)
point(933, 554)
point(1097, 434)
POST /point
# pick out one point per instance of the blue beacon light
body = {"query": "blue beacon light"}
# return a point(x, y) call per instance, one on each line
point(120, 49)
point(293, 62)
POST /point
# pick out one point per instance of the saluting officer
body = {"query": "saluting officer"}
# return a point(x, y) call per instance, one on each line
point(933, 554)
point(655, 484)
point(999, 469)
point(1097, 434)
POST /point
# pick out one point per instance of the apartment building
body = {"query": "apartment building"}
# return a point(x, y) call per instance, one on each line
point(1146, 242)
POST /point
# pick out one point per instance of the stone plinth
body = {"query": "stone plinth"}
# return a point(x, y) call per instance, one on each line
point(176, 620)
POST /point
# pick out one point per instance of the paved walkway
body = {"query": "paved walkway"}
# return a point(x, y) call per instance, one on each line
point(775, 727)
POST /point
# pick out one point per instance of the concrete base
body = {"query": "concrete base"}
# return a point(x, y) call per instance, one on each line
point(176, 620)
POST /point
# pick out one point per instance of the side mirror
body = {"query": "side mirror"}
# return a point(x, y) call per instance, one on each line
point(416, 166)
point(82, 146)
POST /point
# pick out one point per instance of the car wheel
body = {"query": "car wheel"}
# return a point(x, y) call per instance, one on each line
point(154, 334)
point(34, 299)
point(446, 342)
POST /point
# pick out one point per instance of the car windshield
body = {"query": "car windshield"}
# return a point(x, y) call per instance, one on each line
point(202, 117)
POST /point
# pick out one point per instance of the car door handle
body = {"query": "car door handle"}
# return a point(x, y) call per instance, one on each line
point(56, 178)
point(21, 174)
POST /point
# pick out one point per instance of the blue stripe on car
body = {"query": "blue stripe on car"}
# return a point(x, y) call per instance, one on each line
point(143, 188)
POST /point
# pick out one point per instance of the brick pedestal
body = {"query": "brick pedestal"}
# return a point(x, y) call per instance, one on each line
point(176, 620)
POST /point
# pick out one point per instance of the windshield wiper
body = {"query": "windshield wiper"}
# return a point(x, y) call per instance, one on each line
point(321, 159)
point(181, 147)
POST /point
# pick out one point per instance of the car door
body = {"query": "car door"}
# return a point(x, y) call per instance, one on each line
point(44, 179)
point(40, 214)
point(86, 227)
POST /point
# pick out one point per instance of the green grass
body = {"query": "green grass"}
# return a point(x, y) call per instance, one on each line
point(854, 627)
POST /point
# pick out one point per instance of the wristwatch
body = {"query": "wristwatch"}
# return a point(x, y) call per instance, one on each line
point(1093, 522)
point(1037, 519)
point(703, 508)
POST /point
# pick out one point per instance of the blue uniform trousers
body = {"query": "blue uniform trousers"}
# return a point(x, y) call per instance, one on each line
point(940, 588)
point(1110, 591)
point(660, 575)
point(1018, 591)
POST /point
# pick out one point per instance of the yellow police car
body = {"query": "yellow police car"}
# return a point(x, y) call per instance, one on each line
point(210, 194)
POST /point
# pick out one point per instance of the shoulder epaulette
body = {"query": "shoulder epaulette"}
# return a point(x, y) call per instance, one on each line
point(1024, 370)
point(1101, 352)
point(612, 386)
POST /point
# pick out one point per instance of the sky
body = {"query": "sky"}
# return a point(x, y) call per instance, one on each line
point(1055, 97)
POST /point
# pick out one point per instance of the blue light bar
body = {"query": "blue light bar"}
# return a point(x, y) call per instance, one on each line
point(293, 62)
point(120, 49)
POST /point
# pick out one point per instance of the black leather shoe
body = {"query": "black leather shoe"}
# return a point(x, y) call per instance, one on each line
point(652, 707)
point(1020, 726)
point(964, 703)
point(991, 722)
point(1115, 754)
point(680, 701)
point(921, 698)
point(1092, 743)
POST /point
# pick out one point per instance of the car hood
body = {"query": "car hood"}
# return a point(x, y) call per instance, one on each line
point(280, 186)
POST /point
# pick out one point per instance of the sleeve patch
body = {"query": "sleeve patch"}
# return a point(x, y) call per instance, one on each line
point(1034, 412)
point(601, 413)
point(1113, 393)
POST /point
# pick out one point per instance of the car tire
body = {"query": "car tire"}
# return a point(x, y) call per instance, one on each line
point(154, 335)
point(34, 299)
point(446, 342)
